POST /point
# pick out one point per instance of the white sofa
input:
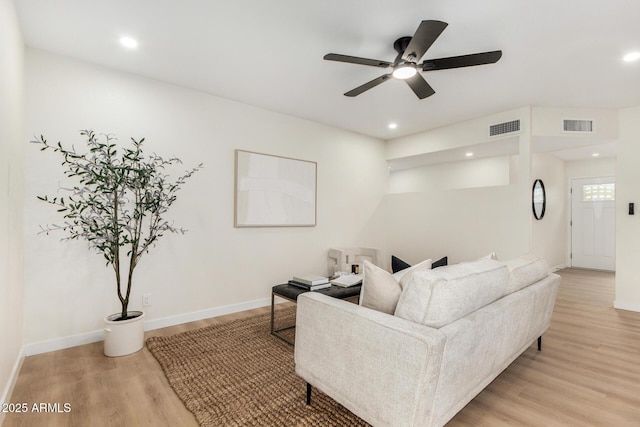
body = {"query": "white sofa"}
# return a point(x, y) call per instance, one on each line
point(455, 329)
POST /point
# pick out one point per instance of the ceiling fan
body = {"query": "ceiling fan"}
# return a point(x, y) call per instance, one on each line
point(410, 50)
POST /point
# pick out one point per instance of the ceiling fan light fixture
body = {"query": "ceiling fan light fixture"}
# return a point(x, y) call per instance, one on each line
point(404, 71)
point(128, 42)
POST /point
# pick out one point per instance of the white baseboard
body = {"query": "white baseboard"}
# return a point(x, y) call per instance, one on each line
point(11, 384)
point(95, 336)
point(558, 267)
point(623, 306)
point(204, 314)
point(62, 343)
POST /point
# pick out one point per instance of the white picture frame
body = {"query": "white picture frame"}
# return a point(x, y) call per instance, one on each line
point(274, 191)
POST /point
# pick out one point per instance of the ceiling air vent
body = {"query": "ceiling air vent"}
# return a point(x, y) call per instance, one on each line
point(571, 125)
point(504, 128)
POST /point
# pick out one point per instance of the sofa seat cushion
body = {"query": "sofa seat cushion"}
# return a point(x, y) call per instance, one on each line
point(525, 271)
point(381, 289)
point(438, 297)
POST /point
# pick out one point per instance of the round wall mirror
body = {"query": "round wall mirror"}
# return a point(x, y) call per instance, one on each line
point(539, 199)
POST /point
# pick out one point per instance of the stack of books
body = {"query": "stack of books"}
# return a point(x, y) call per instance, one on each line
point(310, 282)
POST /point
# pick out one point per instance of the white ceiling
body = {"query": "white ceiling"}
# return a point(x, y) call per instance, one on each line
point(269, 53)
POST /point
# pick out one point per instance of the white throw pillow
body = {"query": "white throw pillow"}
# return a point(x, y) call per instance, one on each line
point(381, 290)
point(403, 276)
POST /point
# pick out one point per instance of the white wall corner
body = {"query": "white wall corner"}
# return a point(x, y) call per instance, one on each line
point(11, 384)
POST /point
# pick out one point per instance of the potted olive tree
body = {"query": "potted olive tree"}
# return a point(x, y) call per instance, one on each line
point(118, 206)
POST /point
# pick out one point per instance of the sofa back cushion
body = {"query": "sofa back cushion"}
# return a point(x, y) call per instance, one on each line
point(438, 297)
point(525, 271)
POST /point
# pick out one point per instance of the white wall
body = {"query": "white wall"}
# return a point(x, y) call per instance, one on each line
point(590, 168)
point(471, 173)
point(464, 134)
point(547, 126)
point(628, 226)
point(548, 234)
point(68, 289)
point(11, 198)
point(441, 217)
point(461, 223)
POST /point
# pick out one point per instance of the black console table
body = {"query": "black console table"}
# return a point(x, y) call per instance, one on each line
point(291, 293)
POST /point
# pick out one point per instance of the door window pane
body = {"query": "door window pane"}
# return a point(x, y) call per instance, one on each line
point(598, 192)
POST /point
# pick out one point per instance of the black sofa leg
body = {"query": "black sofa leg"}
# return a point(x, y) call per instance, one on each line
point(308, 394)
point(540, 343)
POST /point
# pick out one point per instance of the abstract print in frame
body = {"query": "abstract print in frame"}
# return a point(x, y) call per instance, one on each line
point(274, 191)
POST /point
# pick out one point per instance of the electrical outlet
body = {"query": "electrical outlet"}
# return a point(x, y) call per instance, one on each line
point(146, 300)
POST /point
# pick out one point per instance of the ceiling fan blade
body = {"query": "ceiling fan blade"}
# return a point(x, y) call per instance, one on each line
point(356, 60)
point(420, 87)
point(373, 83)
point(426, 34)
point(462, 61)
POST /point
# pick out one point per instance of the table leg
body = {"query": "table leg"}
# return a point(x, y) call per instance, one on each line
point(276, 332)
point(272, 298)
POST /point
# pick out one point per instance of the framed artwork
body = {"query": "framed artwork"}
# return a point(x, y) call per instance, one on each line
point(274, 191)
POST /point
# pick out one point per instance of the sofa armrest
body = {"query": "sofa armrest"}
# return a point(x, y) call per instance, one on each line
point(382, 368)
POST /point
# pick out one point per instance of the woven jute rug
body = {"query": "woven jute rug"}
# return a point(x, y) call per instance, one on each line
point(238, 374)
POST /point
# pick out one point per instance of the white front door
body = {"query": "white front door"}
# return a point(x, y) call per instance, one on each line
point(593, 216)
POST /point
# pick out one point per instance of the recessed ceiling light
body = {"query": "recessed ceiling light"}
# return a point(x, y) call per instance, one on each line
point(393, 125)
point(469, 154)
point(128, 42)
point(595, 155)
point(632, 56)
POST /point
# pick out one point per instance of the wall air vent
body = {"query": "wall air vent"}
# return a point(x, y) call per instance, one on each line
point(572, 125)
point(504, 128)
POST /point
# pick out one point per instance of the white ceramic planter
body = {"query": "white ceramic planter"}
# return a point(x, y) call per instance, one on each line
point(123, 337)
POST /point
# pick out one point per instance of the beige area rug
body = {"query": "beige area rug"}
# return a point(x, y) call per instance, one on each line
point(238, 374)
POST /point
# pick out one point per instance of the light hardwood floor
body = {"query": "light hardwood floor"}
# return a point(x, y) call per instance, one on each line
point(588, 373)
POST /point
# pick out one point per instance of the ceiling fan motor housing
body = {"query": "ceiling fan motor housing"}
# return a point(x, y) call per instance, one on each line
point(401, 44)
